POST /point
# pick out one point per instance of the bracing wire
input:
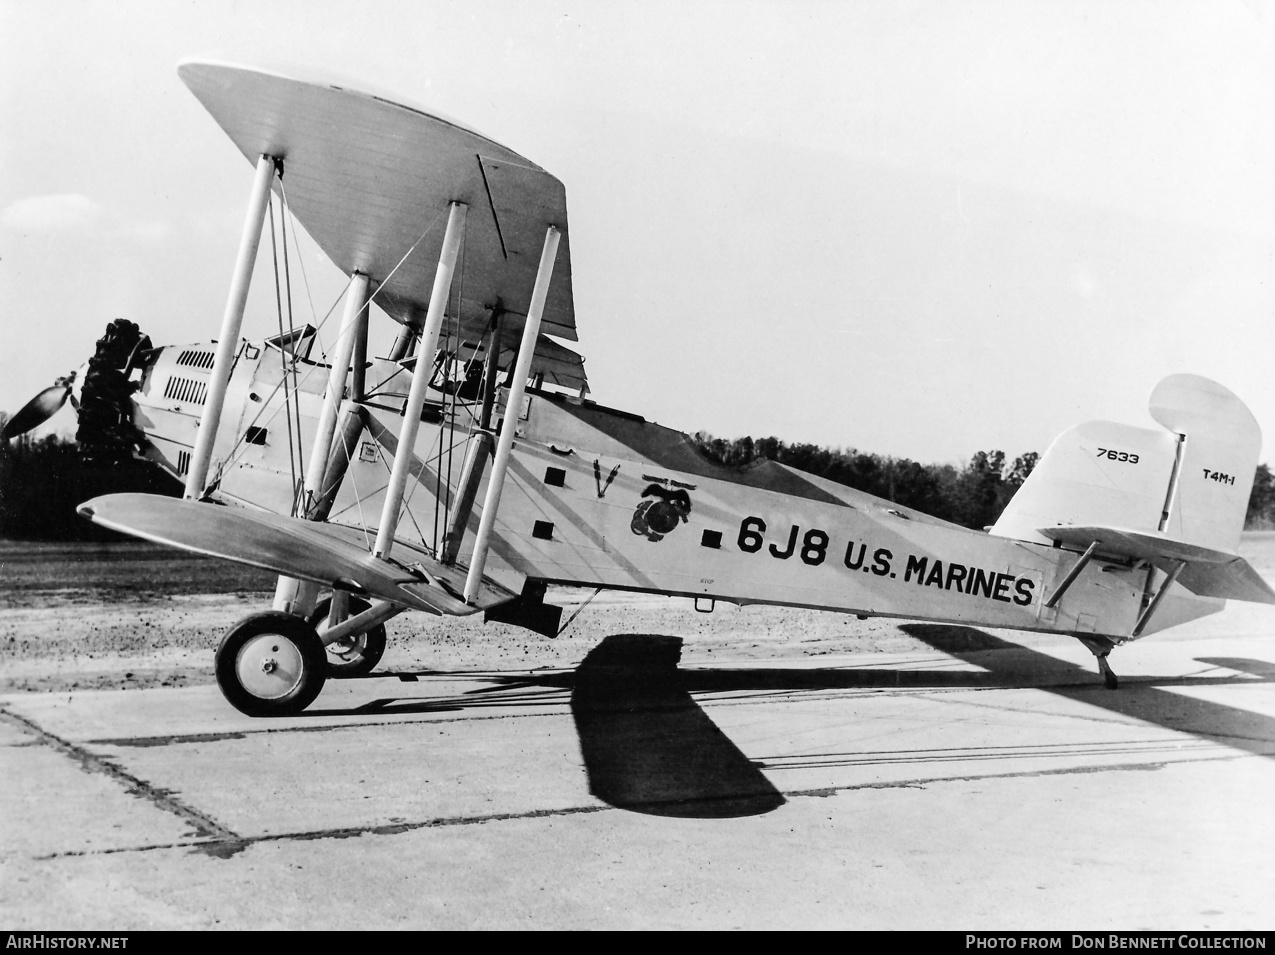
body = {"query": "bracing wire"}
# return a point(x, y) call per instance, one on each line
point(451, 436)
point(448, 366)
point(284, 211)
point(238, 447)
point(283, 358)
point(305, 279)
point(397, 265)
point(436, 460)
point(358, 503)
point(380, 389)
point(572, 618)
point(291, 403)
point(438, 471)
point(380, 453)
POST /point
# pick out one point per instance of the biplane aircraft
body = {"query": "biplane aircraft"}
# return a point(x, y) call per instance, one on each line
point(467, 470)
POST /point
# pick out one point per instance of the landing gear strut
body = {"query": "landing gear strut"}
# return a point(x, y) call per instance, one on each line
point(1108, 676)
point(1100, 648)
point(354, 655)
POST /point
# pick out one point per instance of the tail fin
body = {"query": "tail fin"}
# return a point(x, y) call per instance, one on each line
point(1100, 473)
point(1174, 496)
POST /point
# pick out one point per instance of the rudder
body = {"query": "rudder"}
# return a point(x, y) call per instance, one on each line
point(1220, 444)
point(1189, 482)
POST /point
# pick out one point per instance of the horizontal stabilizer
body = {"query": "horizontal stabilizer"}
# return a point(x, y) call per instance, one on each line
point(1208, 572)
point(332, 555)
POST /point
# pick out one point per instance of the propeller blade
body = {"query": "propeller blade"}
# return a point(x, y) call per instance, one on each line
point(36, 411)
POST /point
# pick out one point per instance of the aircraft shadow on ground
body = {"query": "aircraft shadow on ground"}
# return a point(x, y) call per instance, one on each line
point(1149, 699)
point(649, 747)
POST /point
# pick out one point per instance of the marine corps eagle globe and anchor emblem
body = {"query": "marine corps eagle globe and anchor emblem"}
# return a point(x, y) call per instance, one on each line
point(662, 513)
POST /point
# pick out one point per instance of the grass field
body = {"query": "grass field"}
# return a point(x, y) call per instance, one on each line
point(35, 573)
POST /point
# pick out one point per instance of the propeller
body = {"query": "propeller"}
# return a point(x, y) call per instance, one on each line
point(39, 409)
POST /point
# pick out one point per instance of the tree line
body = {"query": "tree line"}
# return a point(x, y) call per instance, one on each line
point(973, 495)
point(43, 480)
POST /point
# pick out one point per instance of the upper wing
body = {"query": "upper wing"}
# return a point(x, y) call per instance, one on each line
point(330, 554)
point(368, 177)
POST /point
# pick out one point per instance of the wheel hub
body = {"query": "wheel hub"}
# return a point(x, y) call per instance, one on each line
point(269, 666)
point(346, 646)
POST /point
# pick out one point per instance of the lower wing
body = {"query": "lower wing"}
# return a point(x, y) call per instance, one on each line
point(333, 555)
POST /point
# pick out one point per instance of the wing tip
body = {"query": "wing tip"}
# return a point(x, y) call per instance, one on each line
point(196, 71)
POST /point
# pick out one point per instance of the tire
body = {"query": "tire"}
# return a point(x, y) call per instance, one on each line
point(355, 656)
point(271, 664)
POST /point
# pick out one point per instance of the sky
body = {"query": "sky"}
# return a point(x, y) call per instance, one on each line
point(918, 229)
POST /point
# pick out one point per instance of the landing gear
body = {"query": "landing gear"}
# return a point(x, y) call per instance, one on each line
point(1108, 676)
point(271, 664)
point(1100, 647)
point(355, 655)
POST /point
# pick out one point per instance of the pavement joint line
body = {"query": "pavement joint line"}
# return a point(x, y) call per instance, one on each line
point(1112, 717)
point(227, 846)
point(134, 786)
point(143, 741)
point(1215, 737)
point(798, 764)
point(807, 695)
point(1079, 748)
point(1021, 774)
point(1108, 719)
point(233, 844)
point(812, 695)
point(704, 699)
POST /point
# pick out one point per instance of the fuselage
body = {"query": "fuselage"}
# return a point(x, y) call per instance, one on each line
point(601, 498)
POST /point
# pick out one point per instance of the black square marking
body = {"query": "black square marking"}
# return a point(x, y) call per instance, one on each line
point(543, 530)
point(555, 477)
point(255, 435)
point(711, 539)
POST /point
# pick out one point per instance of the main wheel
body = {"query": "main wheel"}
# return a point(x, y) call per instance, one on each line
point(271, 664)
point(351, 656)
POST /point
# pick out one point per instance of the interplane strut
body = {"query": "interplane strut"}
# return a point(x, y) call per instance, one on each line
point(231, 322)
